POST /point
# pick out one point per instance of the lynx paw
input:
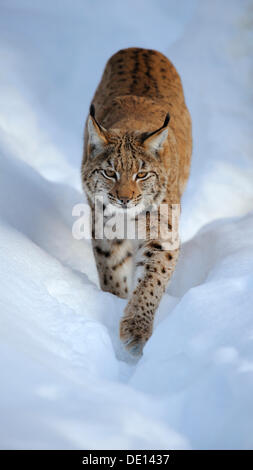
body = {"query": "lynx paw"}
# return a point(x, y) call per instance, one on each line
point(134, 333)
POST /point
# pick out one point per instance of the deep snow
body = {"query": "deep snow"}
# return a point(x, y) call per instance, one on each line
point(65, 380)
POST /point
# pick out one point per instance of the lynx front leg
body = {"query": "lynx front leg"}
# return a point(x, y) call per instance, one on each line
point(114, 265)
point(157, 267)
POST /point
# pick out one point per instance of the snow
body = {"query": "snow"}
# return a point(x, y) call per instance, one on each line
point(66, 382)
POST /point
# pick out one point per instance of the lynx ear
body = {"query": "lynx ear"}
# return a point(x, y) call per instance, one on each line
point(97, 135)
point(154, 141)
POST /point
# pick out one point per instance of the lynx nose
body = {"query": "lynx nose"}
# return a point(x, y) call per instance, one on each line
point(124, 200)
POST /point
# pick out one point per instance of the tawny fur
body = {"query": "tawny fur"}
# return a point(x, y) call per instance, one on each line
point(138, 88)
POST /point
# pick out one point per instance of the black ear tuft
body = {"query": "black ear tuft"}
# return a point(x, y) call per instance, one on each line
point(167, 120)
point(92, 114)
point(146, 135)
point(92, 110)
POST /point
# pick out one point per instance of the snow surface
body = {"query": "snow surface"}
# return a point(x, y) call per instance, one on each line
point(66, 382)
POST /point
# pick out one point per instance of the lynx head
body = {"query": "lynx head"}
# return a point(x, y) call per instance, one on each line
point(125, 168)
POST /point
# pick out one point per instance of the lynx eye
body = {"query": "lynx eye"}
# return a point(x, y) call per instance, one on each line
point(141, 175)
point(109, 173)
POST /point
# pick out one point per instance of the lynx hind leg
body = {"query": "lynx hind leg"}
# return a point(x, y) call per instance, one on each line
point(114, 265)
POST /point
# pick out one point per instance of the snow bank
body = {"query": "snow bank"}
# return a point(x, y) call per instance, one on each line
point(66, 381)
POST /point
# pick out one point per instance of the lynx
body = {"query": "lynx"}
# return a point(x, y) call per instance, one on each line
point(137, 153)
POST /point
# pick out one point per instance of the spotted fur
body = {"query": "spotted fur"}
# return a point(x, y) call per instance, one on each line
point(137, 154)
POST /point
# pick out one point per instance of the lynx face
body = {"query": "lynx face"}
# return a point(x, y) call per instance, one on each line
point(126, 170)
